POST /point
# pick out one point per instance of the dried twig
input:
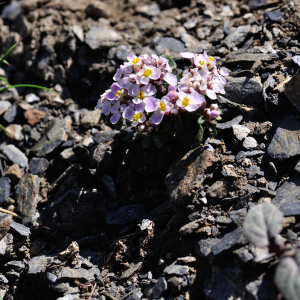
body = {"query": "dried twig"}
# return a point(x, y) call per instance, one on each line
point(92, 291)
point(10, 213)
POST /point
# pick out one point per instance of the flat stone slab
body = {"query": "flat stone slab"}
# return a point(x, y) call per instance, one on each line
point(53, 137)
point(286, 140)
point(15, 155)
point(244, 90)
point(292, 90)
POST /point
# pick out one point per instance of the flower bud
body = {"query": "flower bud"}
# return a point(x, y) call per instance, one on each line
point(214, 106)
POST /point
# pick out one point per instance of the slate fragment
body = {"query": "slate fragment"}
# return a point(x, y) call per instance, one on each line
point(292, 90)
point(244, 90)
point(4, 189)
point(26, 194)
point(5, 222)
point(184, 171)
point(286, 140)
point(125, 214)
point(53, 137)
point(15, 155)
point(38, 166)
point(174, 46)
point(230, 241)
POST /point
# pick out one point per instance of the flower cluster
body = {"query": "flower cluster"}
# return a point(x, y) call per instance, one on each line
point(146, 90)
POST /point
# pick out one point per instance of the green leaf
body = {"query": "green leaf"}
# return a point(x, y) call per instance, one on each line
point(178, 125)
point(158, 140)
point(199, 136)
point(163, 127)
point(172, 63)
point(201, 120)
point(8, 51)
point(287, 278)
point(146, 142)
point(262, 222)
point(215, 132)
point(138, 136)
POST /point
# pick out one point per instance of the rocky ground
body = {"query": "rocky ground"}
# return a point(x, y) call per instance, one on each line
point(98, 217)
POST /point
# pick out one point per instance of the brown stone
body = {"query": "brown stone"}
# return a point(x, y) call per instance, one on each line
point(33, 116)
point(14, 173)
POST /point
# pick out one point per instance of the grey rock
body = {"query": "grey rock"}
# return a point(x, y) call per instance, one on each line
point(189, 228)
point(222, 220)
point(11, 11)
point(78, 31)
point(244, 255)
point(38, 166)
point(262, 128)
point(3, 279)
point(4, 106)
point(15, 265)
point(290, 209)
point(16, 131)
point(104, 136)
point(80, 273)
point(292, 90)
point(82, 203)
point(152, 10)
point(122, 52)
point(15, 155)
point(230, 241)
point(185, 170)
point(286, 140)
point(289, 192)
point(160, 287)
point(110, 186)
point(249, 143)
point(5, 222)
point(168, 43)
point(229, 171)
point(244, 90)
point(176, 269)
point(237, 36)
point(4, 189)
point(243, 154)
point(240, 131)
point(203, 246)
point(194, 45)
point(133, 267)
point(30, 98)
point(230, 123)
point(219, 189)
point(253, 4)
point(53, 137)
point(61, 287)
point(238, 216)
point(91, 119)
point(101, 37)
point(274, 15)
point(297, 168)
point(20, 228)
point(251, 57)
point(11, 113)
point(125, 214)
point(37, 268)
point(69, 297)
point(26, 194)
point(99, 10)
point(51, 277)
point(69, 154)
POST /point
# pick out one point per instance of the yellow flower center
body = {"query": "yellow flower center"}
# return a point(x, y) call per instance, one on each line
point(211, 58)
point(137, 116)
point(136, 60)
point(162, 106)
point(201, 62)
point(141, 95)
point(185, 102)
point(118, 93)
point(147, 73)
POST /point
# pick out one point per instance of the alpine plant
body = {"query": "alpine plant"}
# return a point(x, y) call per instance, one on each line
point(146, 92)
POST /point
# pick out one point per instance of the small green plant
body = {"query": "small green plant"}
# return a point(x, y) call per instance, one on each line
point(9, 86)
point(262, 226)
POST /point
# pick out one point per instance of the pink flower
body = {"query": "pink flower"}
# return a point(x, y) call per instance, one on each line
point(115, 92)
point(135, 116)
point(116, 110)
point(147, 73)
point(190, 102)
point(160, 107)
point(141, 93)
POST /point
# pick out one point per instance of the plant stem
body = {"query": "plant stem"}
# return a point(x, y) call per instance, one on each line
point(27, 85)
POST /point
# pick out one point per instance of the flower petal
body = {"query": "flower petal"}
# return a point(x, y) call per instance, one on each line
point(115, 117)
point(187, 54)
point(111, 96)
point(151, 104)
point(211, 94)
point(149, 89)
point(157, 117)
point(170, 79)
point(115, 87)
point(128, 113)
point(106, 108)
